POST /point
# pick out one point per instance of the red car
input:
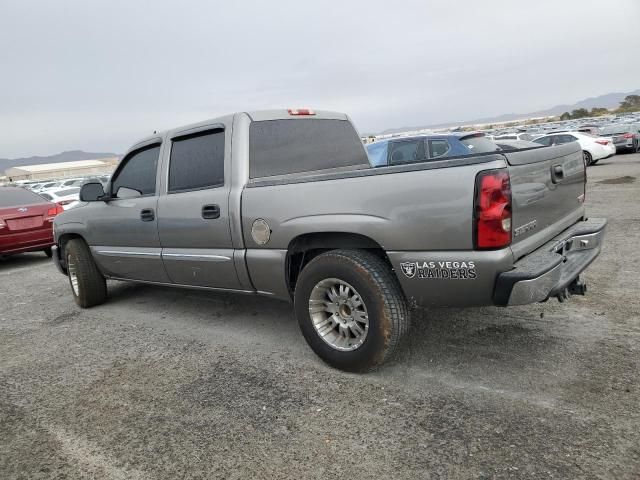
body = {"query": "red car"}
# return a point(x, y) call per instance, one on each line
point(26, 221)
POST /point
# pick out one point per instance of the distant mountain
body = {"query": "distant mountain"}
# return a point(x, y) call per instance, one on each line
point(609, 100)
point(70, 156)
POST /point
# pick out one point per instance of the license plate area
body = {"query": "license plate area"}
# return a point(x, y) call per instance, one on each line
point(24, 223)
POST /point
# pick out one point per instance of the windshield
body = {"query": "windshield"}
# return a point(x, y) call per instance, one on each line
point(479, 144)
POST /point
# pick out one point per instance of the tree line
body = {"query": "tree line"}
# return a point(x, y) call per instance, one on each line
point(631, 103)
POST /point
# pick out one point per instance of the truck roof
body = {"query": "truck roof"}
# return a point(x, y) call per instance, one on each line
point(255, 115)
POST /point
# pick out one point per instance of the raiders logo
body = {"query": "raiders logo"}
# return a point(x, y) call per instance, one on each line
point(409, 269)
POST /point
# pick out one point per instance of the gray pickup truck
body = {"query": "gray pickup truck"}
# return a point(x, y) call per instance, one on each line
point(284, 203)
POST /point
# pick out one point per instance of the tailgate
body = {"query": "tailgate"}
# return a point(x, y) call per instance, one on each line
point(547, 187)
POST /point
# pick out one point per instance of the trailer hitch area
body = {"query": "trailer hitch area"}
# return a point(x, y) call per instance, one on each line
point(576, 287)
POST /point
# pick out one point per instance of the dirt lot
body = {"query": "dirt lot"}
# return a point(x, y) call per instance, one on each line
point(162, 383)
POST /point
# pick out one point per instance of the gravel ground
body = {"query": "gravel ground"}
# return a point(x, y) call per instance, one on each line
point(165, 384)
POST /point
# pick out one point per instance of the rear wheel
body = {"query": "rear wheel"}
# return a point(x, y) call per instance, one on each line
point(88, 286)
point(588, 159)
point(351, 309)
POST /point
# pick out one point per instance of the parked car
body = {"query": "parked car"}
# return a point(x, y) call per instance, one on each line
point(626, 136)
point(66, 197)
point(423, 148)
point(72, 182)
point(47, 186)
point(594, 148)
point(285, 204)
point(514, 136)
point(510, 145)
point(26, 221)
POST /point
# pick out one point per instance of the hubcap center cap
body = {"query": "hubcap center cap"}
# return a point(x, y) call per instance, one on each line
point(345, 310)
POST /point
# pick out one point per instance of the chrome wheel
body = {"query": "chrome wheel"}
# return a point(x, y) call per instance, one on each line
point(339, 314)
point(72, 270)
point(587, 157)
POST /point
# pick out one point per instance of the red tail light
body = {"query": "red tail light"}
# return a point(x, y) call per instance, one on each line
point(603, 142)
point(627, 135)
point(301, 111)
point(53, 211)
point(492, 210)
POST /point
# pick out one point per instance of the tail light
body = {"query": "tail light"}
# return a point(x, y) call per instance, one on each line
point(53, 211)
point(301, 111)
point(603, 142)
point(627, 135)
point(492, 210)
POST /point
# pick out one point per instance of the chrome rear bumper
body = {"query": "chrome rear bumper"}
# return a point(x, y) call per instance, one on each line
point(550, 270)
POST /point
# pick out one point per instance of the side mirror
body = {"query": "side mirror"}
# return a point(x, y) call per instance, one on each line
point(91, 192)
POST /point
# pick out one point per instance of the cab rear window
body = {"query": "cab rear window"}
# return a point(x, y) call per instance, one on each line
point(280, 147)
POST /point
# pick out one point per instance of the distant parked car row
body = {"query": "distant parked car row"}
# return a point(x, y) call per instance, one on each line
point(430, 147)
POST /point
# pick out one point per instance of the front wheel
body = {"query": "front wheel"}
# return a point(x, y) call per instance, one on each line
point(88, 286)
point(588, 159)
point(351, 309)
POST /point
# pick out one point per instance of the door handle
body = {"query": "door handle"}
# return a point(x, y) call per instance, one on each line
point(557, 173)
point(147, 215)
point(210, 212)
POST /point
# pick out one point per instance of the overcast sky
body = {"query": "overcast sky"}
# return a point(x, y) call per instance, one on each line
point(97, 75)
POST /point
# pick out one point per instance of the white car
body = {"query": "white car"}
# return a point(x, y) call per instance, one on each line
point(67, 197)
point(47, 186)
point(593, 148)
point(514, 136)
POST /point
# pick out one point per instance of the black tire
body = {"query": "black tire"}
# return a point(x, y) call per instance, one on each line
point(48, 252)
point(377, 286)
point(91, 285)
point(588, 159)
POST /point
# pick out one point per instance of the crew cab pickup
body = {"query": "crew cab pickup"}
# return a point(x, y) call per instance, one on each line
point(285, 203)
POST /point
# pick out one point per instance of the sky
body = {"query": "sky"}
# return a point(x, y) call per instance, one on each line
point(97, 75)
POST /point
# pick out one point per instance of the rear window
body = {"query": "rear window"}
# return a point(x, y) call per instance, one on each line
point(13, 197)
point(615, 129)
point(479, 145)
point(279, 147)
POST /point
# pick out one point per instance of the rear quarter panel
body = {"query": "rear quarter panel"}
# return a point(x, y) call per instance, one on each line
point(422, 215)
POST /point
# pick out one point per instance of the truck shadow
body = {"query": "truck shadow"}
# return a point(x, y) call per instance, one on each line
point(496, 345)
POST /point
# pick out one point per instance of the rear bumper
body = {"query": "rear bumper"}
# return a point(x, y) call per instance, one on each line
point(25, 242)
point(548, 271)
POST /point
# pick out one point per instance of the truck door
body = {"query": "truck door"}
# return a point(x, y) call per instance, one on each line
point(193, 212)
point(124, 230)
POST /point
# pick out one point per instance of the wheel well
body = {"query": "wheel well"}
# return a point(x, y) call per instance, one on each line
point(305, 248)
point(62, 243)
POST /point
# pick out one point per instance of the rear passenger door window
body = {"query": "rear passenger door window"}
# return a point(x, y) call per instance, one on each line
point(546, 141)
point(438, 148)
point(562, 139)
point(197, 162)
point(407, 151)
